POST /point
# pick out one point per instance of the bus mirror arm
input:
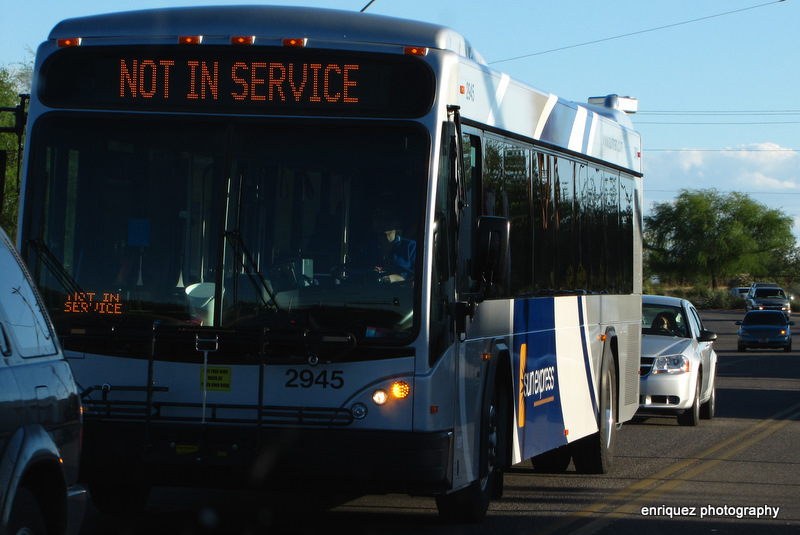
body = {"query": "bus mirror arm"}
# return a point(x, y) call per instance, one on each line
point(462, 310)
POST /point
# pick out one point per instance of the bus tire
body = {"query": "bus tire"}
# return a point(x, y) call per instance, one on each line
point(595, 454)
point(469, 505)
point(552, 462)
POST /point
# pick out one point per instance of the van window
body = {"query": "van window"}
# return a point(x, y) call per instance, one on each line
point(20, 311)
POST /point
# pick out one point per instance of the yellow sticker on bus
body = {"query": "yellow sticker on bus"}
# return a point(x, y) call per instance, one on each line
point(216, 378)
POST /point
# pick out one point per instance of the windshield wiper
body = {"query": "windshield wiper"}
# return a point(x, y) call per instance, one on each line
point(59, 272)
point(61, 275)
point(251, 270)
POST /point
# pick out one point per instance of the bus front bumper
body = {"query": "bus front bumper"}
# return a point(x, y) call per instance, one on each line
point(245, 456)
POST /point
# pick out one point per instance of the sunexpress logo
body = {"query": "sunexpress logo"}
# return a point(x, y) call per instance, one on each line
point(538, 383)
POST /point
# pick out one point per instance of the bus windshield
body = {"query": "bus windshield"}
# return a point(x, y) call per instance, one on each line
point(228, 223)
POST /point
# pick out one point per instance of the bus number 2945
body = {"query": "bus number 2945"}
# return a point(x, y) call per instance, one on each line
point(306, 379)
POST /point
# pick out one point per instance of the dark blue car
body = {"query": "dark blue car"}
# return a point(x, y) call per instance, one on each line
point(765, 328)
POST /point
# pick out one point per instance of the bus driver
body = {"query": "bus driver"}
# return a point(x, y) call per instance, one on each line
point(396, 255)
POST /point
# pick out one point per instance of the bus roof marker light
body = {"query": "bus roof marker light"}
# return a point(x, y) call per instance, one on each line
point(190, 39)
point(72, 41)
point(416, 51)
point(615, 102)
point(243, 39)
point(291, 41)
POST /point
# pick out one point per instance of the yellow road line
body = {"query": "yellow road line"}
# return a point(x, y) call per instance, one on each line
point(670, 485)
point(636, 494)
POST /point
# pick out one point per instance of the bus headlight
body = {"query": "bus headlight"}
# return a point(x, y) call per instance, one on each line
point(397, 390)
point(380, 397)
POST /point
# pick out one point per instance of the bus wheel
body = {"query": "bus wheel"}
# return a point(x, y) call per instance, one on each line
point(595, 453)
point(552, 462)
point(469, 505)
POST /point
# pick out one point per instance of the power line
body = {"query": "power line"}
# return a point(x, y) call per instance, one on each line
point(723, 113)
point(648, 190)
point(740, 123)
point(635, 33)
point(720, 150)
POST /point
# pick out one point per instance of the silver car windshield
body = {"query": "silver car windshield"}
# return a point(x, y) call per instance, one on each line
point(664, 320)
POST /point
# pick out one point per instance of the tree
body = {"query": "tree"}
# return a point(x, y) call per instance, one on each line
point(13, 81)
point(704, 235)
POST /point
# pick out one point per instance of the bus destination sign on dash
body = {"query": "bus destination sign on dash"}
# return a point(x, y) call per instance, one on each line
point(238, 80)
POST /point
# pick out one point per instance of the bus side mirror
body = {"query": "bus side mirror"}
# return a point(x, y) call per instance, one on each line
point(491, 252)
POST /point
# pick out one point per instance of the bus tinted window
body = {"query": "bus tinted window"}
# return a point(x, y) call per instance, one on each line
point(221, 224)
point(571, 223)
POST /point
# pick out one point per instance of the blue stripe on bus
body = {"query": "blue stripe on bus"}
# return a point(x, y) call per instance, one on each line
point(586, 358)
point(543, 420)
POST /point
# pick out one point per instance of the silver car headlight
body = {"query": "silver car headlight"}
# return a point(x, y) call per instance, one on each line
point(671, 364)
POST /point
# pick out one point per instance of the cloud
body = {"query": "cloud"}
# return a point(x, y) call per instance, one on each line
point(767, 172)
point(769, 154)
point(762, 181)
point(748, 169)
point(690, 159)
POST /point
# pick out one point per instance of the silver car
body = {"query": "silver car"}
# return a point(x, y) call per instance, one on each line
point(40, 417)
point(679, 364)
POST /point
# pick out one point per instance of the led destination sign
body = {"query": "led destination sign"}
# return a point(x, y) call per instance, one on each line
point(256, 81)
point(237, 80)
point(85, 302)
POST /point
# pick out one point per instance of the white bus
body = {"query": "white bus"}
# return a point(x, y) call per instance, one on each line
point(286, 244)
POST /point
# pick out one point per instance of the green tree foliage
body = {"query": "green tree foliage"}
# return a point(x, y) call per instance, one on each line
point(13, 81)
point(705, 236)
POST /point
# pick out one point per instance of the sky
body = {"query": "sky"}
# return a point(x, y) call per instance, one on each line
point(716, 80)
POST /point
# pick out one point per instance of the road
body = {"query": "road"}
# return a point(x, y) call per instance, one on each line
point(738, 473)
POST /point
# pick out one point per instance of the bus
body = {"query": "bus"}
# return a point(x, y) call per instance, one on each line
point(286, 245)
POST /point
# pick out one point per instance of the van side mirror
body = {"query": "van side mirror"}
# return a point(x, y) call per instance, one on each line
point(491, 252)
